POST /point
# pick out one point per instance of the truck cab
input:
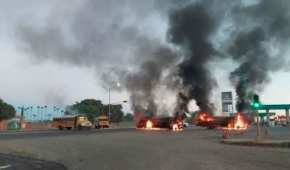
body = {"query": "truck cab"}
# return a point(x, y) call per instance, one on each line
point(102, 122)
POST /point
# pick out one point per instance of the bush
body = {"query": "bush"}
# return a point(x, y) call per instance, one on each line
point(7, 111)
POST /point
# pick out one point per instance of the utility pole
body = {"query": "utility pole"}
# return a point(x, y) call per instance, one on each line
point(256, 105)
point(258, 130)
point(109, 108)
point(287, 117)
point(22, 111)
point(109, 112)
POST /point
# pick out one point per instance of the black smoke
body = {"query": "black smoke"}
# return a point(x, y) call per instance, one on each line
point(113, 37)
point(190, 28)
point(142, 83)
point(267, 21)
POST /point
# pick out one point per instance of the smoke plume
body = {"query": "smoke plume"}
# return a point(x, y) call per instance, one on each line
point(143, 83)
point(267, 23)
point(190, 28)
point(161, 51)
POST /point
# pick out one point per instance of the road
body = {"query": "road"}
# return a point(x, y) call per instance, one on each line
point(10, 135)
point(12, 162)
point(129, 149)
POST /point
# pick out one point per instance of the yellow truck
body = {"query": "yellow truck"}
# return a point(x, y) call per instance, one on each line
point(71, 122)
point(102, 122)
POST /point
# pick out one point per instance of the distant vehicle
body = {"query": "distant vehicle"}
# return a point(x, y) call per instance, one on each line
point(238, 121)
point(71, 122)
point(102, 122)
point(207, 120)
point(163, 122)
point(160, 122)
point(280, 120)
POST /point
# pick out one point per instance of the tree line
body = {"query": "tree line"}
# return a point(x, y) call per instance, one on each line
point(90, 107)
point(94, 108)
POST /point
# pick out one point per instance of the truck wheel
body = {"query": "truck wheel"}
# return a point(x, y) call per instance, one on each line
point(60, 127)
point(80, 127)
point(68, 128)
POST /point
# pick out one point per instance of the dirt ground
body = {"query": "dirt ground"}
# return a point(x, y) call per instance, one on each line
point(197, 149)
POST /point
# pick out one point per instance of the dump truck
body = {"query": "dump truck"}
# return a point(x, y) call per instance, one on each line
point(102, 121)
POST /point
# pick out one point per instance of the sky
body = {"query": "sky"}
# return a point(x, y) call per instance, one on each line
point(25, 80)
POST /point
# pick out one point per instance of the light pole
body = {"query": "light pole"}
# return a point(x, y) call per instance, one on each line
point(22, 110)
point(109, 108)
point(109, 111)
point(256, 105)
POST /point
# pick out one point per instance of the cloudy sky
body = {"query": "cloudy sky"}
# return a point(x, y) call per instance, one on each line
point(29, 78)
point(28, 81)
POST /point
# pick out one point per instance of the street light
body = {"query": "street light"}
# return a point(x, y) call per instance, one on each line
point(109, 108)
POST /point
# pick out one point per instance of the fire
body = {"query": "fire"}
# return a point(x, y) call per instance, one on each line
point(205, 117)
point(240, 122)
point(177, 126)
point(149, 124)
point(166, 123)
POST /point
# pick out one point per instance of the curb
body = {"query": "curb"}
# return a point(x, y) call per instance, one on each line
point(262, 143)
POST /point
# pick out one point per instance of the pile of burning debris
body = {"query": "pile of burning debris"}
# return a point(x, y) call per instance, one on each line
point(238, 122)
point(159, 123)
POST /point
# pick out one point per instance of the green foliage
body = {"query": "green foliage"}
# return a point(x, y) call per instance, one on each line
point(128, 117)
point(7, 111)
point(116, 112)
point(90, 107)
point(94, 108)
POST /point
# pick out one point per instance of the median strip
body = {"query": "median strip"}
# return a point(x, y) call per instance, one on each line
point(263, 143)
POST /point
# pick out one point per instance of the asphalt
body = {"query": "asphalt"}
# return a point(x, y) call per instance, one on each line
point(10, 135)
point(131, 149)
point(15, 162)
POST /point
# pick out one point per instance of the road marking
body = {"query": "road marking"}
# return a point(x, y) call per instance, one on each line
point(5, 166)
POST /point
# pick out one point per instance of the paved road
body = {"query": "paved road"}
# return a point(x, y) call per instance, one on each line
point(9, 135)
point(13, 162)
point(196, 148)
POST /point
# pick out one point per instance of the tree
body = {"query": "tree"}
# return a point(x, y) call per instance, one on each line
point(90, 107)
point(116, 112)
point(128, 117)
point(7, 111)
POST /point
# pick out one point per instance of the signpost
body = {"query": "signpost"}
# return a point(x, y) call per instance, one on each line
point(227, 102)
point(255, 105)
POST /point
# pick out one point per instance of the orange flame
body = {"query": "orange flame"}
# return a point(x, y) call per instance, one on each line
point(149, 124)
point(175, 127)
point(178, 126)
point(239, 123)
point(205, 117)
point(202, 117)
